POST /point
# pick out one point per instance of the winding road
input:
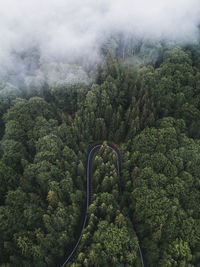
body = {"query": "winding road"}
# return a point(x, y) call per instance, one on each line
point(90, 158)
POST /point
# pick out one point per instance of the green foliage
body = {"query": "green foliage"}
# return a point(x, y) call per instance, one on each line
point(146, 99)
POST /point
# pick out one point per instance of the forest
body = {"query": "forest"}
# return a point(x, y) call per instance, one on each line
point(145, 98)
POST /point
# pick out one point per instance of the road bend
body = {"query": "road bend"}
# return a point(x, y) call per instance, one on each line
point(90, 158)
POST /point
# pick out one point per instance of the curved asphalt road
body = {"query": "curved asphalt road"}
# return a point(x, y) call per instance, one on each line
point(90, 158)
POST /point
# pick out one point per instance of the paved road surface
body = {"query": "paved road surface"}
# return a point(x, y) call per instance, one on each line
point(91, 155)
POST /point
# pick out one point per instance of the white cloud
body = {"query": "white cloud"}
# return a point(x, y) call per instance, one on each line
point(72, 28)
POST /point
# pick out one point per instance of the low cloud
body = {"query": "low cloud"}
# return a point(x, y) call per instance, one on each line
point(67, 31)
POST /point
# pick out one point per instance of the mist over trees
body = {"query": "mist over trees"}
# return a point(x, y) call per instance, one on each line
point(144, 96)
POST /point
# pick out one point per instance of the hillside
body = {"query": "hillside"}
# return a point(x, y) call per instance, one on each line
point(146, 99)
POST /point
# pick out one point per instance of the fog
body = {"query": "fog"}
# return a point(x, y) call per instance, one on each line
point(69, 30)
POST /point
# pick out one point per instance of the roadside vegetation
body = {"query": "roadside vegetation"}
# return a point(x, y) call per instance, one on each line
point(145, 99)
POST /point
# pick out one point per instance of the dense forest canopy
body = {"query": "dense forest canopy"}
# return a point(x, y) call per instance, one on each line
point(144, 96)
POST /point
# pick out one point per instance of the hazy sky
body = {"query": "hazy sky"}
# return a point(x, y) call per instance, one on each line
point(75, 27)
